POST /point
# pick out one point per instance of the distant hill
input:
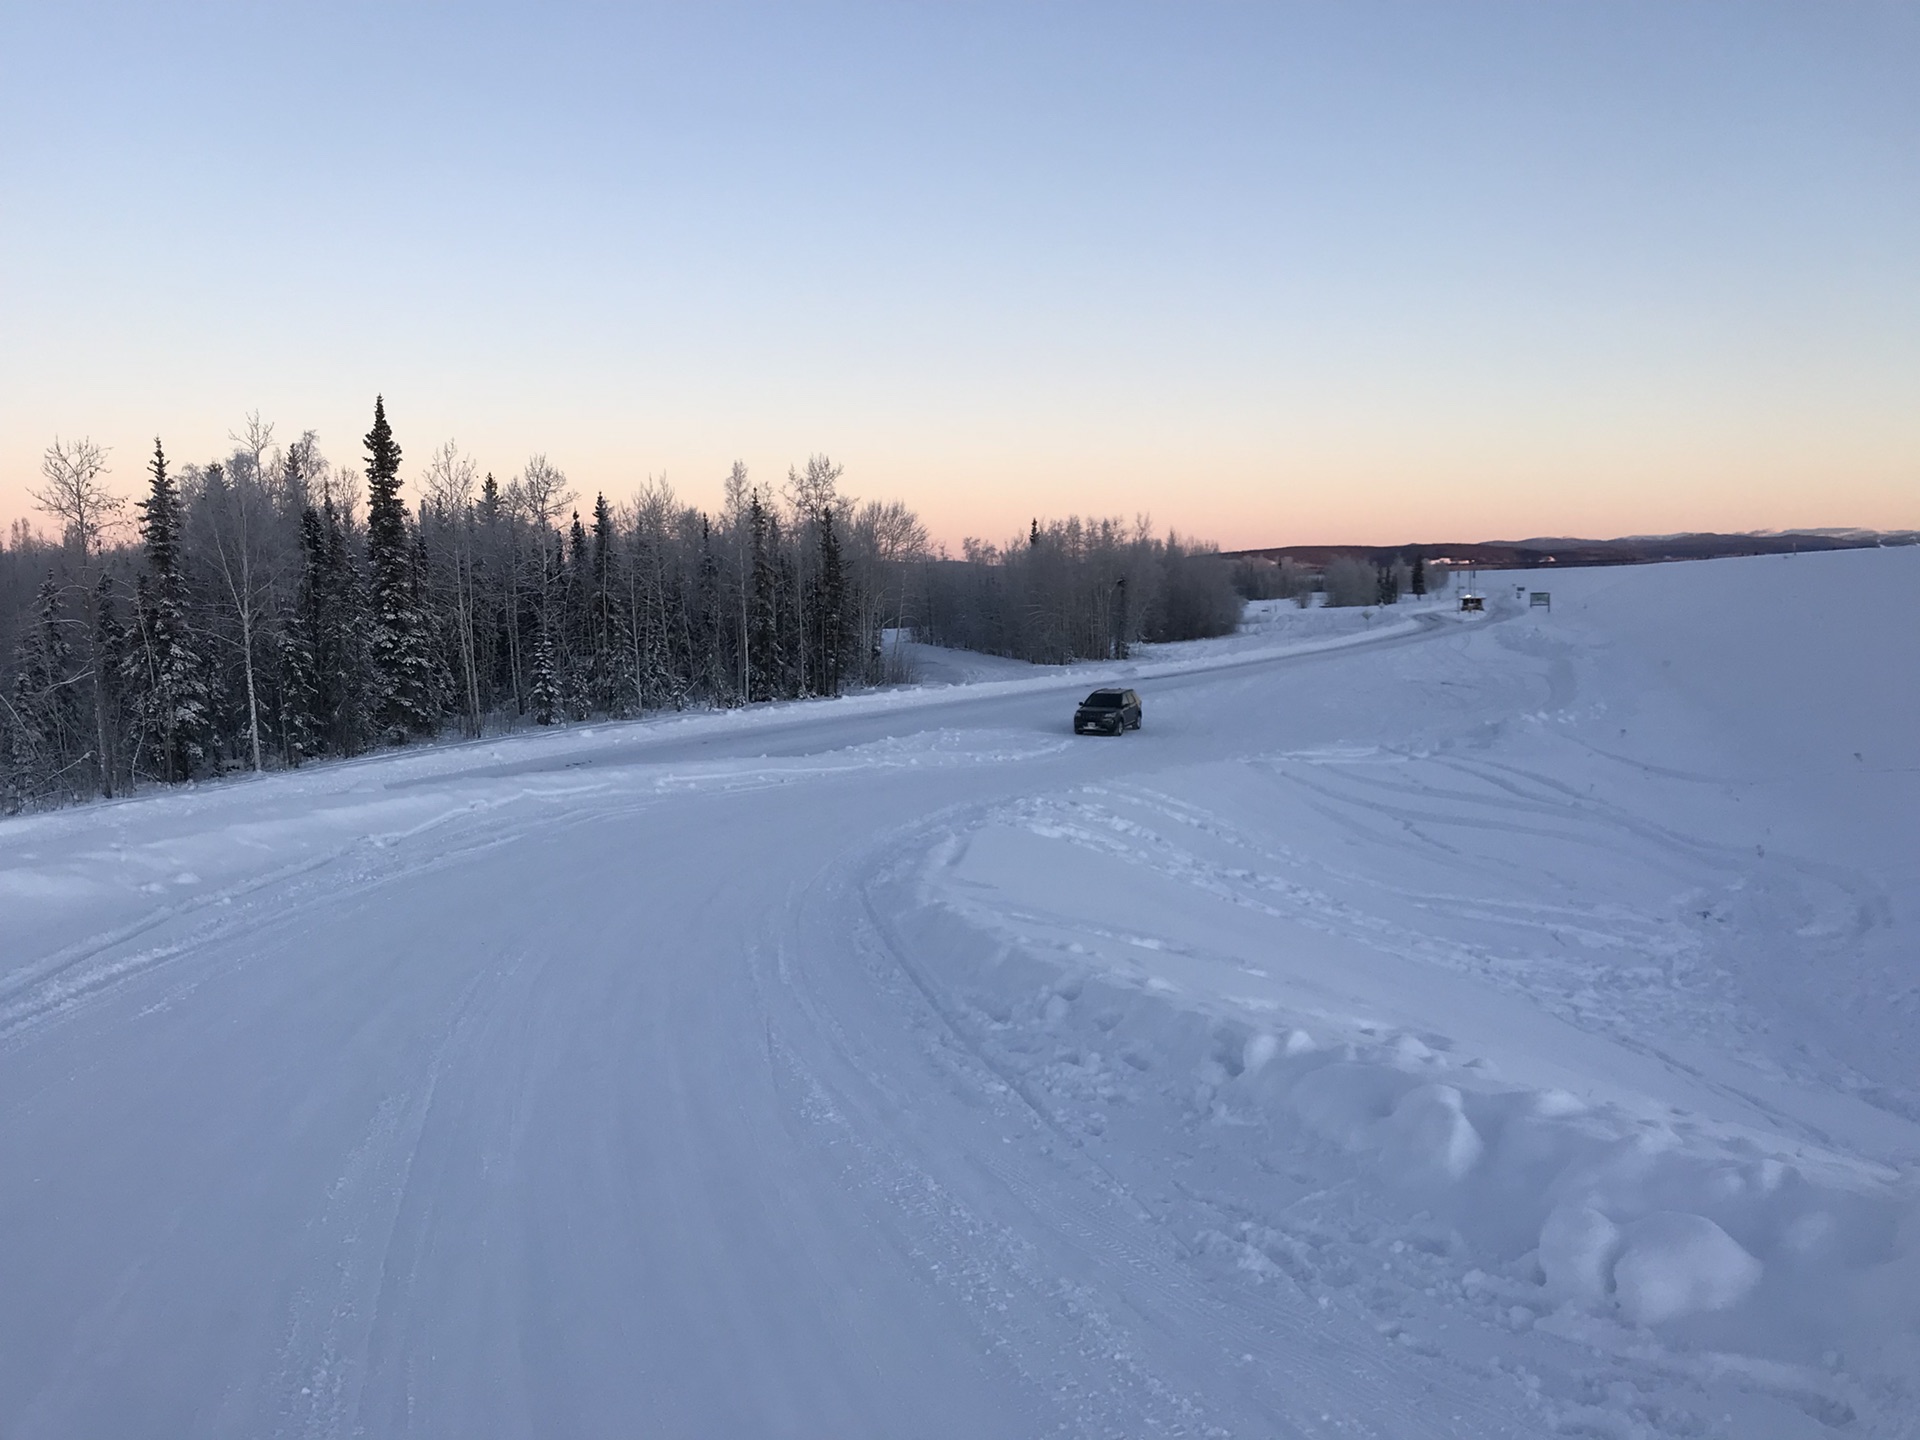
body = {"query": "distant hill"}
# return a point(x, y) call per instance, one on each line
point(1564, 551)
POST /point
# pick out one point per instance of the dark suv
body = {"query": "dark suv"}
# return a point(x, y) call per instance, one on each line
point(1107, 712)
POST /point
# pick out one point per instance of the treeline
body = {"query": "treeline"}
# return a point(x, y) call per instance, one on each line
point(269, 607)
point(272, 610)
point(1078, 589)
point(1345, 580)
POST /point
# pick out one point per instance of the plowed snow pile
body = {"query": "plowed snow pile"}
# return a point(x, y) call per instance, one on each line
point(1425, 1026)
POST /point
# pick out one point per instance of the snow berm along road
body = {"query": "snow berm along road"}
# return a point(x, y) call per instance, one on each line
point(1425, 1026)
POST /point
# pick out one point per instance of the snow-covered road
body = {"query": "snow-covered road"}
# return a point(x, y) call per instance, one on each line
point(1333, 1057)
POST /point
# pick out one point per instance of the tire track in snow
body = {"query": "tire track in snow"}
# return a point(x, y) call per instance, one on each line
point(1119, 1233)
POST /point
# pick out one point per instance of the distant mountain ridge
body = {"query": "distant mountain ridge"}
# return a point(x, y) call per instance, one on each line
point(1562, 551)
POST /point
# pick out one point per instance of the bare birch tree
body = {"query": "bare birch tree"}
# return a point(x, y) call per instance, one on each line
point(447, 490)
point(73, 493)
point(239, 533)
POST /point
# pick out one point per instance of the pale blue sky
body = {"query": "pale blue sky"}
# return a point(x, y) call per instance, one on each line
point(1270, 272)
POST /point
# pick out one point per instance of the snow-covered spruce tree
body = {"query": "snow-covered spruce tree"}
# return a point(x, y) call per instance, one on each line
point(164, 670)
point(1418, 584)
point(15, 762)
point(765, 661)
point(790, 642)
point(440, 681)
point(668, 619)
point(306, 710)
point(341, 641)
point(48, 728)
point(402, 669)
point(612, 670)
point(811, 493)
point(543, 694)
point(19, 765)
point(576, 656)
point(831, 612)
point(712, 624)
point(570, 673)
point(492, 640)
point(297, 680)
point(111, 651)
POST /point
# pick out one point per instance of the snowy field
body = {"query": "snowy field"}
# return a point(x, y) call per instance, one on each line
point(1425, 1026)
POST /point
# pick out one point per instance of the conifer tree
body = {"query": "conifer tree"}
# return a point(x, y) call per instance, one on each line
point(16, 761)
point(47, 719)
point(606, 663)
point(544, 693)
point(20, 759)
point(402, 678)
point(303, 668)
point(712, 627)
point(830, 609)
point(789, 639)
point(110, 654)
point(572, 683)
point(576, 656)
point(305, 692)
point(341, 642)
point(438, 657)
point(763, 635)
point(173, 702)
point(493, 646)
point(299, 689)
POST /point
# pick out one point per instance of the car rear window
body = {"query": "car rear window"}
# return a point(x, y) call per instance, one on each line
point(1104, 700)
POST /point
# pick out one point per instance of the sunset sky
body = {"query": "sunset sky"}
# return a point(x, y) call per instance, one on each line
point(1269, 273)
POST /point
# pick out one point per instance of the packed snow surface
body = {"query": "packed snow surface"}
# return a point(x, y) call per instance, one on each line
point(1427, 1025)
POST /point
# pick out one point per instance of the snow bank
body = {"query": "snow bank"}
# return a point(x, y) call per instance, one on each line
point(1578, 1249)
point(1675, 1263)
point(1791, 1287)
point(1615, 1215)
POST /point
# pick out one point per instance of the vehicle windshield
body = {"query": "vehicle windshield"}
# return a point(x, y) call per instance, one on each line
point(1103, 700)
